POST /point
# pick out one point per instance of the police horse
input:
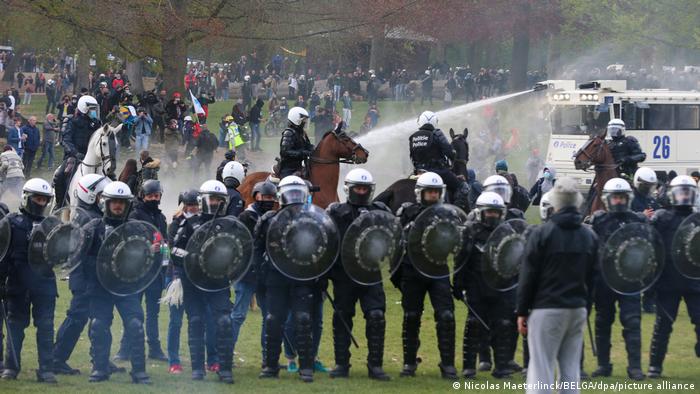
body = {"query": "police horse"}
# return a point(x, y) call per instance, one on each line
point(323, 167)
point(595, 152)
point(100, 158)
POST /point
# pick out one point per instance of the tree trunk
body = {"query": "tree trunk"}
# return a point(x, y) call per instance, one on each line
point(174, 59)
point(82, 70)
point(377, 49)
point(12, 67)
point(554, 57)
point(134, 69)
point(521, 49)
point(475, 59)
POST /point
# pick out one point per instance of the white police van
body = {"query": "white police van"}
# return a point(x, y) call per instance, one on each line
point(666, 123)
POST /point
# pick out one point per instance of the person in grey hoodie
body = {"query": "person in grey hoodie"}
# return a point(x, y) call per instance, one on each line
point(11, 172)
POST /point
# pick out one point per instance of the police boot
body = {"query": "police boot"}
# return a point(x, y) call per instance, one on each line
point(411, 343)
point(114, 368)
point(198, 374)
point(304, 343)
point(470, 346)
point(98, 376)
point(633, 344)
point(659, 345)
point(195, 341)
point(654, 372)
point(226, 376)
point(59, 184)
point(341, 346)
point(140, 378)
point(62, 368)
point(224, 343)
point(269, 373)
point(375, 330)
point(602, 370)
point(485, 364)
point(306, 375)
point(445, 327)
point(155, 353)
point(44, 376)
point(635, 373)
point(9, 374)
point(503, 347)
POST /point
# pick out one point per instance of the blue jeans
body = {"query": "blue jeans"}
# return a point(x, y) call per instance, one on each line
point(317, 328)
point(141, 142)
point(336, 93)
point(244, 294)
point(255, 131)
point(46, 149)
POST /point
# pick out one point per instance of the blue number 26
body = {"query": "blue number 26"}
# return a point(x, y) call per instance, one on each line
point(662, 147)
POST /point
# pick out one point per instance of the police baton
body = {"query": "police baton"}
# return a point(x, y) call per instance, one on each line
point(472, 311)
point(342, 320)
point(590, 335)
point(10, 340)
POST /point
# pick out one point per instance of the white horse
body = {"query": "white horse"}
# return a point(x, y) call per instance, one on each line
point(101, 158)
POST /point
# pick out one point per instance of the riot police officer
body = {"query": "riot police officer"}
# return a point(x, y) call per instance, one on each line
point(430, 151)
point(672, 285)
point(76, 138)
point(115, 202)
point(265, 195)
point(213, 199)
point(295, 147)
point(233, 174)
point(283, 294)
point(359, 188)
point(88, 192)
point(496, 307)
point(617, 197)
point(27, 290)
point(147, 210)
point(500, 185)
point(414, 286)
point(625, 149)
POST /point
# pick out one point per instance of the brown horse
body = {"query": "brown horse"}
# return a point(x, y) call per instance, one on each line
point(324, 167)
point(595, 152)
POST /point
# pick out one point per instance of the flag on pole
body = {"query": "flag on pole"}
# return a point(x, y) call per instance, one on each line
point(197, 106)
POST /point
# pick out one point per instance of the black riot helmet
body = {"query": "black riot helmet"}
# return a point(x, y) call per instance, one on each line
point(188, 197)
point(151, 186)
point(265, 188)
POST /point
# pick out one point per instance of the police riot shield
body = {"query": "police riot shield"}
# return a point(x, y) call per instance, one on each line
point(632, 258)
point(129, 258)
point(371, 249)
point(685, 247)
point(302, 241)
point(218, 253)
point(503, 253)
point(435, 239)
point(5, 235)
point(57, 243)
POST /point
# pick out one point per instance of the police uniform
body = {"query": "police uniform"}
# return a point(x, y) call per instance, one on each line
point(627, 153)
point(347, 292)
point(604, 225)
point(101, 310)
point(670, 288)
point(495, 307)
point(69, 332)
point(414, 286)
point(75, 141)
point(430, 151)
point(27, 291)
point(197, 301)
point(295, 147)
point(150, 213)
point(283, 295)
point(235, 202)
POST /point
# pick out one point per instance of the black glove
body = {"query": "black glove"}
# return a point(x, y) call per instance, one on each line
point(458, 293)
point(339, 128)
point(79, 156)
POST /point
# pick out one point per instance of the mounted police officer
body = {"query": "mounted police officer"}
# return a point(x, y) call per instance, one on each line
point(265, 195)
point(147, 210)
point(88, 192)
point(233, 174)
point(115, 202)
point(359, 188)
point(213, 199)
point(26, 290)
point(295, 147)
point(283, 294)
point(672, 285)
point(430, 151)
point(625, 149)
point(413, 285)
point(76, 138)
point(617, 197)
point(496, 307)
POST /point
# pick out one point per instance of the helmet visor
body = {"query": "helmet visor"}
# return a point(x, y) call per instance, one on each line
point(293, 194)
point(615, 131)
point(502, 190)
point(683, 195)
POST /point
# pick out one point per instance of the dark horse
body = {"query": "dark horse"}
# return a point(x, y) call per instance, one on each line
point(595, 152)
point(402, 190)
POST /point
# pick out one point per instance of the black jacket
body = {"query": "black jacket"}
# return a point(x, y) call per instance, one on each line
point(235, 202)
point(429, 149)
point(559, 265)
point(627, 153)
point(640, 202)
point(666, 222)
point(76, 136)
point(250, 217)
point(295, 147)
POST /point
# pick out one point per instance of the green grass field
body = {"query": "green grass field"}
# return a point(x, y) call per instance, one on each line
point(681, 365)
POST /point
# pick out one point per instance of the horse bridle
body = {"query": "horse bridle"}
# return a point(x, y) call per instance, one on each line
point(103, 158)
point(351, 160)
point(590, 157)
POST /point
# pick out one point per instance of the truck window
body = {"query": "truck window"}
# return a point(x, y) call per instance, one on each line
point(577, 120)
